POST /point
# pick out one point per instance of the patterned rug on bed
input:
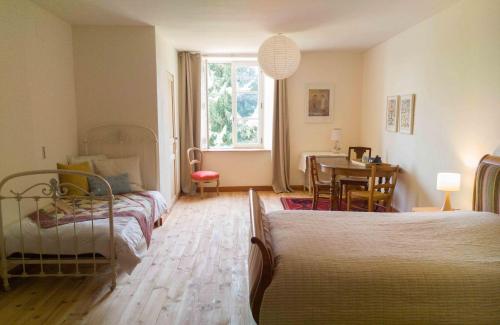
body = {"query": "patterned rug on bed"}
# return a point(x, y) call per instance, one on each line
point(296, 203)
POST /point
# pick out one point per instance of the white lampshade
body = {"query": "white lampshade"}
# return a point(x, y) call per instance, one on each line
point(336, 135)
point(279, 57)
point(448, 182)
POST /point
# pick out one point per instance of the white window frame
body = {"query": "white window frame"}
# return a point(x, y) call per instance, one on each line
point(235, 62)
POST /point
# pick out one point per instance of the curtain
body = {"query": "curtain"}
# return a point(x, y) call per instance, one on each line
point(281, 144)
point(189, 111)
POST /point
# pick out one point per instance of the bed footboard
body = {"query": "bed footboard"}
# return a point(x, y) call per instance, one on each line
point(260, 259)
point(26, 193)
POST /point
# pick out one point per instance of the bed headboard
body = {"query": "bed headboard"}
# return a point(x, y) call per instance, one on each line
point(486, 195)
point(120, 141)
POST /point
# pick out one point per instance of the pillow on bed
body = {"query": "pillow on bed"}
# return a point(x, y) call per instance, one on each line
point(90, 159)
point(119, 166)
point(75, 180)
point(119, 185)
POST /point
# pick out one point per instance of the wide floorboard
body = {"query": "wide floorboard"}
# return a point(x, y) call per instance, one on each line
point(195, 272)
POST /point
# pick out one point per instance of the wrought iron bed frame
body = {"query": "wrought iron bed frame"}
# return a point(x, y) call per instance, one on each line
point(54, 191)
point(124, 140)
point(114, 140)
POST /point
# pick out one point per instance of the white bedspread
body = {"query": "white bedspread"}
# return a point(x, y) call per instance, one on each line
point(130, 244)
point(404, 268)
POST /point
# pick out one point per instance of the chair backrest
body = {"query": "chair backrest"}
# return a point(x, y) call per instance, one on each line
point(359, 152)
point(383, 178)
point(313, 167)
point(195, 159)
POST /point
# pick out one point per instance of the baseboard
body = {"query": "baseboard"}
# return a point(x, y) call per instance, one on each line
point(246, 188)
point(237, 188)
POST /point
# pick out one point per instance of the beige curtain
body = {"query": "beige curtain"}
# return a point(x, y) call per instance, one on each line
point(189, 111)
point(281, 144)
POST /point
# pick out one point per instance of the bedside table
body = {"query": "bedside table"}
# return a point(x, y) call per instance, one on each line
point(425, 209)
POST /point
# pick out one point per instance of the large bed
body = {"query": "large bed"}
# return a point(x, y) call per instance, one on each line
point(316, 267)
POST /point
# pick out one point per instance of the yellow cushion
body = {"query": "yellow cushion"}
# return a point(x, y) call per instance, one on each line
point(76, 180)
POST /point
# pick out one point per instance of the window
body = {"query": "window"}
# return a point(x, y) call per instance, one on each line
point(233, 103)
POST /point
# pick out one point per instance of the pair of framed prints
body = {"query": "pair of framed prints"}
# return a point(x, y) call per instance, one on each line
point(399, 113)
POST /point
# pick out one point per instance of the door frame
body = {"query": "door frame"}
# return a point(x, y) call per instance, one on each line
point(174, 135)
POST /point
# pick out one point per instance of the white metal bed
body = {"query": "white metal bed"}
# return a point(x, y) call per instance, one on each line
point(119, 141)
point(25, 192)
point(39, 193)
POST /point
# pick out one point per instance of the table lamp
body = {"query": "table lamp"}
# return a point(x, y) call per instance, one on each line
point(448, 182)
point(336, 136)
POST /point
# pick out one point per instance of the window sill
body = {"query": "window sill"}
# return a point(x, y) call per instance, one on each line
point(236, 150)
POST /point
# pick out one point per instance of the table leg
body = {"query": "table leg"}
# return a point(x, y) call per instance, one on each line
point(339, 196)
point(308, 177)
point(305, 178)
point(332, 188)
point(309, 182)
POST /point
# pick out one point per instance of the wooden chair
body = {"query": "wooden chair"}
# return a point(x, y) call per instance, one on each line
point(198, 175)
point(345, 182)
point(382, 190)
point(358, 152)
point(319, 187)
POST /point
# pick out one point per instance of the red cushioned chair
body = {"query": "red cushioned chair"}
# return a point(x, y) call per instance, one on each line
point(198, 175)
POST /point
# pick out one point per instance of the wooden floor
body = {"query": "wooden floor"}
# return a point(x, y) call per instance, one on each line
point(194, 273)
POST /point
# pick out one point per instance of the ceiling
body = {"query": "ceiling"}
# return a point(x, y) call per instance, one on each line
point(240, 26)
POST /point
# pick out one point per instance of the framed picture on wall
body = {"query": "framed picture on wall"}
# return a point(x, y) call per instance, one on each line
point(406, 112)
point(319, 103)
point(391, 113)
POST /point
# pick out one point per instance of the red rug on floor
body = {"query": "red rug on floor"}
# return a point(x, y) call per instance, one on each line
point(296, 203)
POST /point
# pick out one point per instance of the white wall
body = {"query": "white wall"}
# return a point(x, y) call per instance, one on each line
point(344, 71)
point(37, 101)
point(166, 62)
point(121, 78)
point(341, 69)
point(451, 63)
point(240, 168)
point(115, 76)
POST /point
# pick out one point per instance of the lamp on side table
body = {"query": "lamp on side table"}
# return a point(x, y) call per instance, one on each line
point(447, 182)
point(336, 136)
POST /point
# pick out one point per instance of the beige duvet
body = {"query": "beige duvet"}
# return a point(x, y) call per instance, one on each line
point(405, 268)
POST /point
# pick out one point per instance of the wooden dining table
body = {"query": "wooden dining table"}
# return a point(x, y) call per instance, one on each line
point(343, 167)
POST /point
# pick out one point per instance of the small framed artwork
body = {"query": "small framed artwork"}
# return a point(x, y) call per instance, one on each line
point(406, 112)
point(319, 103)
point(391, 114)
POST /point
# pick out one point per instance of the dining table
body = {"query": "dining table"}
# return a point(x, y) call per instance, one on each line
point(304, 165)
point(342, 166)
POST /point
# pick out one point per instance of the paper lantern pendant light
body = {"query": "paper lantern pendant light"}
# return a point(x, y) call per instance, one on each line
point(279, 57)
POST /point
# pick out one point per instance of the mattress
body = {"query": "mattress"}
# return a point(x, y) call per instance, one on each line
point(398, 268)
point(130, 240)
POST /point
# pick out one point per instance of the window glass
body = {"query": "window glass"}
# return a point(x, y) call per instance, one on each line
point(219, 98)
point(234, 108)
point(248, 131)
